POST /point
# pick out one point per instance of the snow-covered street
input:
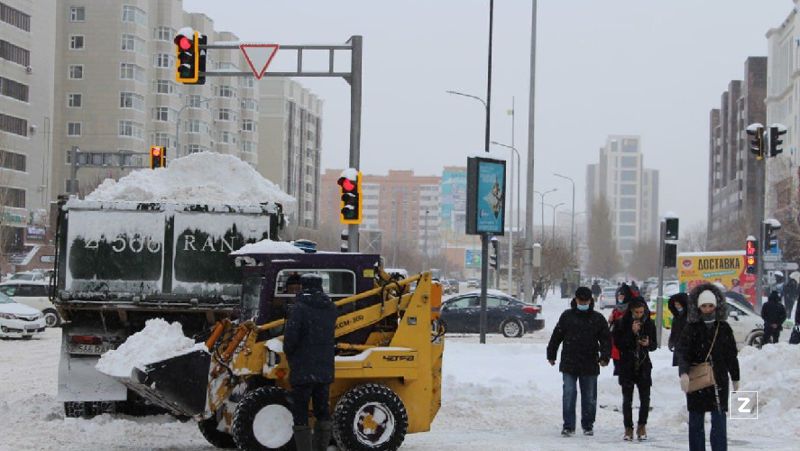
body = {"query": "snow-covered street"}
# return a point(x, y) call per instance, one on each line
point(498, 396)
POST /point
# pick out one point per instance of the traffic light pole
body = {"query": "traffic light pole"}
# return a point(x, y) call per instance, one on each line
point(760, 252)
point(659, 302)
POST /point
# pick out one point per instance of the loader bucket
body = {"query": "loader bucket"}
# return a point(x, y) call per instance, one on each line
point(178, 384)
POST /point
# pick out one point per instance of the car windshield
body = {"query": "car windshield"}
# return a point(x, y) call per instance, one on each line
point(4, 299)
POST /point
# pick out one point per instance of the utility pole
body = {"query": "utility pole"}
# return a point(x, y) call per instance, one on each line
point(527, 279)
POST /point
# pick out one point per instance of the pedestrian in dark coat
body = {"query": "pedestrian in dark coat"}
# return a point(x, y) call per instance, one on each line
point(586, 340)
point(774, 314)
point(791, 289)
point(624, 295)
point(706, 319)
point(596, 289)
point(677, 306)
point(309, 345)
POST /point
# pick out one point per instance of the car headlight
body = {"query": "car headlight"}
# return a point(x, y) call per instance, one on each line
point(8, 316)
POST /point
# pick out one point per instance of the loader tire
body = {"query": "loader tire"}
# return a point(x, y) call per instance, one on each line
point(214, 436)
point(370, 417)
point(263, 421)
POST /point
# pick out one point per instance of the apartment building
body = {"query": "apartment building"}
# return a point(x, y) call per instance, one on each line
point(735, 178)
point(27, 38)
point(116, 95)
point(290, 137)
point(630, 190)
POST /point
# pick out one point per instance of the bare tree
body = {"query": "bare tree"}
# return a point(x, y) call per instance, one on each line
point(603, 257)
point(732, 235)
point(694, 239)
point(644, 261)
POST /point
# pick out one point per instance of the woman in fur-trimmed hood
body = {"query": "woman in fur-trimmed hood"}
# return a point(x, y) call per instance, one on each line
point(708, 335)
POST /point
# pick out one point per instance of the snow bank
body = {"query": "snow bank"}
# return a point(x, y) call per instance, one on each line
point(774, 372)
point(199, 178)
point(268, 247)
point(158, 340)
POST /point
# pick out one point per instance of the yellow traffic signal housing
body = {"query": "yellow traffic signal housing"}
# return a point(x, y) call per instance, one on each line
point(350, 191)
point(158, 157)
point(190, 58)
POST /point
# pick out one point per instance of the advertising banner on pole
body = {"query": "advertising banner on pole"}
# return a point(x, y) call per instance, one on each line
point(486, 196)
point(472, 258)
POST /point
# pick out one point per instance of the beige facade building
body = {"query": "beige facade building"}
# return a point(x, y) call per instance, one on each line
point(290, 137)
point(27, 38)
point(116, 95)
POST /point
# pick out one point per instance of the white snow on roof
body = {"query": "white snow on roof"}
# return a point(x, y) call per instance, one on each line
point(158, 340)
point(198, 178)
point(268, 247)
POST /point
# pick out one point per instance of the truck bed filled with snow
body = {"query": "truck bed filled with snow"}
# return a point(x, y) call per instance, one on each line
point(198, 178)
point(158, 340)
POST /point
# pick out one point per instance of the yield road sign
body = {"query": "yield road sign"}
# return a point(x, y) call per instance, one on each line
point(259, 56)
point(785, 266)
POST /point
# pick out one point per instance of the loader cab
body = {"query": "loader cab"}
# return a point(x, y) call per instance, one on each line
point(268, 289)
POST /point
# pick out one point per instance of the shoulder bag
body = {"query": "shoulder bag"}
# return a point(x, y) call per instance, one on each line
point(702, 375)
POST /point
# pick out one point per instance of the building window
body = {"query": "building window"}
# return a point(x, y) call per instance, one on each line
point(76, 71)
point(132, 14)
point(128, 71)
point(248, 125)
point(195, 101)
point(164, 87)
point(131, 43)
point(227, 138)
point(227, 91)
point(163, 139)
point(76, 42)
point(225, 114)
point(162, 60)
point(627, 189)
point(193, 126)
point(193, 148)
point(77, 14)
point(13, 125)
point(15, 17)
point(11, 160)
point(627, 203)
point(13, 89)
point(131, 129)
point(161, 114)
point(73, 129)
point(12, 197)
point(163, 34)
point(248, 82)
point(627, 216)
point(131, 100)
point(249, 104)
point(628, 176)
point(11, 52)
point(248, 146)
point(74, 100)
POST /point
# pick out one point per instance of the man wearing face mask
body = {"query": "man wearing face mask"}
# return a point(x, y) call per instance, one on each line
point(586, 340)
point(707, 337)
point(677, 306)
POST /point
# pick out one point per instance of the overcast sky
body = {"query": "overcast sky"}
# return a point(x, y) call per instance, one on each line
point(649, 68)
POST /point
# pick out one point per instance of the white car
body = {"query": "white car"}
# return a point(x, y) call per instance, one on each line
point(747, 325)
point(18, 320)
point(33, 294)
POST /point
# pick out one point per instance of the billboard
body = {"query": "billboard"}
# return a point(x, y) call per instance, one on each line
point(726, 268)
point(472, 258)
point(486, 196)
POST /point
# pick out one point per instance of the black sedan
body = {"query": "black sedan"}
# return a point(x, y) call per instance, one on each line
point(504, 314)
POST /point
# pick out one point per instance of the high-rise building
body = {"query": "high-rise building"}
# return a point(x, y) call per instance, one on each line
point(290, 137)
point(27, 42)
point(735, 177)
point(630, 190)
point(783, 88)
point(115, 91)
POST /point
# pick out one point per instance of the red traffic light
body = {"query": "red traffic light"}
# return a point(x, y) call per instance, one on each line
point(347, 184)
point(184, 43)
point(750, 248)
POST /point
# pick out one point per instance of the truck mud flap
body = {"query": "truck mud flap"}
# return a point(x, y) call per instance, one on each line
point(178, 384)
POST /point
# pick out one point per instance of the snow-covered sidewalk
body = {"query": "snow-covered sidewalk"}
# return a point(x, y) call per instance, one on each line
point(498, 396)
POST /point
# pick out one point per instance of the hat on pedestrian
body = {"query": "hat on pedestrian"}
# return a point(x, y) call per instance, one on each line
point(583, 293)
point(707, 297)
point(311, 282)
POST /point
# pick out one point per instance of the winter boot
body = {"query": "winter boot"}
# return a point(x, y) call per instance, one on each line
point(628, 434)
point(641, 432)
point(302, 438)
point(567, 432)
point(322, 435)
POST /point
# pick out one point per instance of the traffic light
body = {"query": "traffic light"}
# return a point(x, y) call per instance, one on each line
point(190, 59)
point(671, 232)
point(756, 133)
point(350, 190)
point(493, 253)
point(158, 157)
point(750, 255)
point(771, 227)
point(670, 255)
point(775, 141)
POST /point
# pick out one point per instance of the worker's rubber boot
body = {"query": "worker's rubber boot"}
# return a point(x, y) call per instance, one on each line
point(322, 435)
point(302, 438)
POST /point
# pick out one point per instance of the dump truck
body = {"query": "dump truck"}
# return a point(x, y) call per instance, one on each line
point(121, 263)
point(388, 364)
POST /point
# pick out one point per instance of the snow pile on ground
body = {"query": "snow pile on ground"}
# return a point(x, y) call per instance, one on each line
point(158, 340)
point(774, 372)
point(198, 178)
point(268, 247)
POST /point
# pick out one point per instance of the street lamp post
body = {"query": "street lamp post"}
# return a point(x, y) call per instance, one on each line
point(510, 227)
point(572, 225)
point(554, 207)
point(541, 196)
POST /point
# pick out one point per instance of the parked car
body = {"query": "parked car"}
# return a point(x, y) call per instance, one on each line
point(473, 283)
point(504, 314)
point(18, 320)
point(33, 293)
point(608, 298)
point(747, 325)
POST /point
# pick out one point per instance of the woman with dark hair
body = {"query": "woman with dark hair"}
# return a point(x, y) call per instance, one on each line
point(624, 296)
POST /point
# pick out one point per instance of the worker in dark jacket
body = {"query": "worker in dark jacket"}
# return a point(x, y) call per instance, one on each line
point(774, 314)
point(309, 345)
point(635, 336)
point(706, 319)
point(677, 306)
point(586, 340)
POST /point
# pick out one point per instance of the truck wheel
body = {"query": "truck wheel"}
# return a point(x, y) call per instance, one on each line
point(74, 409)
point(51, 318)
point(218, 438)
point(88, 409)
point(370, 417)
point(263, 420)
point(512, 328)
